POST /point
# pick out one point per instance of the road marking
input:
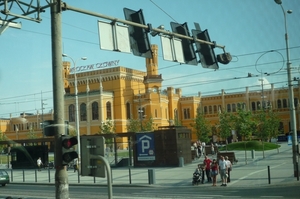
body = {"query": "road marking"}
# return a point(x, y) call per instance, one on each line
point(236, 181)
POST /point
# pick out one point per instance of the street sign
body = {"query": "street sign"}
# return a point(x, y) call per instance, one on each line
point(145, 146)
point(172, 49)
point(113, 37)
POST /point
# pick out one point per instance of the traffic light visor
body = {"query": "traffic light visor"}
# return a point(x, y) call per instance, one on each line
point(69, 142)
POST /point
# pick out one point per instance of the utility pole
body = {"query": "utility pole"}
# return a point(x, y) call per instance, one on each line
point(61, 177)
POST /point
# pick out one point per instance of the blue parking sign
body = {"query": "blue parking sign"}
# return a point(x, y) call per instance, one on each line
point(145, 146)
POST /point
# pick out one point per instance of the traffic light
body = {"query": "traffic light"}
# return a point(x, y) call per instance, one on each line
point(224, 58)
point(91, 148)
point(139, 40)
point(67, 149)
point(187, 45)
point(205, 51)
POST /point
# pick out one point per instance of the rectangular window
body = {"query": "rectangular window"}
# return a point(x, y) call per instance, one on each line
point(186, 113)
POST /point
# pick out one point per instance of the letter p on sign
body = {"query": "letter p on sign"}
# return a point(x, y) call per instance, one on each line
point(145, 145)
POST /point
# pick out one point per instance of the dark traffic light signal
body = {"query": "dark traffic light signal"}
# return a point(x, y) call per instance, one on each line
point(205, 51)
point(67, 147)
point(139, 41)
point(187, 45)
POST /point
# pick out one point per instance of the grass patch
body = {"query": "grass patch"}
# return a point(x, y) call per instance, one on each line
point(250, 145)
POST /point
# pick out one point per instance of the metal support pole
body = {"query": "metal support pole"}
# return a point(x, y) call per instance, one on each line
point(49, 178)
point(129, 169)
point(269, 176)
point(61, 176)
point(291, 90)
point(35, 175)
point(108, 173)
point(23, 175)
point(11, 175)
point(76, 109)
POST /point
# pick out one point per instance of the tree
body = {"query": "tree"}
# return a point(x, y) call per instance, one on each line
point(202, 127)
point(137, 125)
point(31, 134)
point(244, 125)
point(267, 125)
point(107, 127)
point(2, 138)
point(225, 125)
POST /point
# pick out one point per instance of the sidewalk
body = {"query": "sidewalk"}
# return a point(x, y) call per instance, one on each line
point(254, 172)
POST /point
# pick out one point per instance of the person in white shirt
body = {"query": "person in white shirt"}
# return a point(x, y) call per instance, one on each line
point(229, 166)
point(223, 170)
point(39, 163)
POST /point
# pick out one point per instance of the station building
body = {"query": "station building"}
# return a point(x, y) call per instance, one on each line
point(119, 94)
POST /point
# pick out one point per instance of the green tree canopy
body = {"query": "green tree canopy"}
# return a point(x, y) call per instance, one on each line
point(202, 127)
point(137, 125)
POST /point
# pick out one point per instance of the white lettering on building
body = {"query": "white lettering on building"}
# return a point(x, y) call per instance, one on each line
point(96, 66)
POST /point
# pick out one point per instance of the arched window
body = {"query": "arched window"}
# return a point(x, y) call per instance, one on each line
point(176, 117)
point(233, 107)
point(210, 109)
point(253, 106)
point(279, 104)
point(108, 110)
point(95, 113)
point(215, 109)
point(295, 102)
point(205, 110)
point(128, 112)
point(228, 108)
point(155, 113)
point(186, 113)
point(284, 103)
point(72, 113)
point(83, 112)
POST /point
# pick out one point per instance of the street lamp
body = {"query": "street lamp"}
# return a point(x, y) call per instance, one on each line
point(291, 91)
point(76, 105)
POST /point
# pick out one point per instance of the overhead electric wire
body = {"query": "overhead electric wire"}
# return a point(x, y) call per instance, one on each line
point(163, 68)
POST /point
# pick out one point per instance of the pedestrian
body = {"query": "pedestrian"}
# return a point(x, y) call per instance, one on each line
point(196, 149)
point(214, 171)
point(203, 148)
point(202, 169)
point(39, 163)
point(207, 163)
point(229, 166)
point(212, 149)
point(199, 147)
point(223, 171)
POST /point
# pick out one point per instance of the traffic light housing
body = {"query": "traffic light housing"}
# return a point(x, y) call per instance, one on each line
point(205, 51)
point(187, 45)
point(139, 40)
point(91, 148)
point(67, 149)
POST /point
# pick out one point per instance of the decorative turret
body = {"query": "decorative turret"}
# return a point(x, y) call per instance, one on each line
point(152, 64)
point(153, 80)
point(66, 72)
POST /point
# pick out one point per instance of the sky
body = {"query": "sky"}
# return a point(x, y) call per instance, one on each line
point(251, 30)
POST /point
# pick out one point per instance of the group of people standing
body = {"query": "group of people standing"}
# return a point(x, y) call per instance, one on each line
point(199, 147)
point(212, 168)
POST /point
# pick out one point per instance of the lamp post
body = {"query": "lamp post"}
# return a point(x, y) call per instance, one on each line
point(76, 105)
point(291, 91)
